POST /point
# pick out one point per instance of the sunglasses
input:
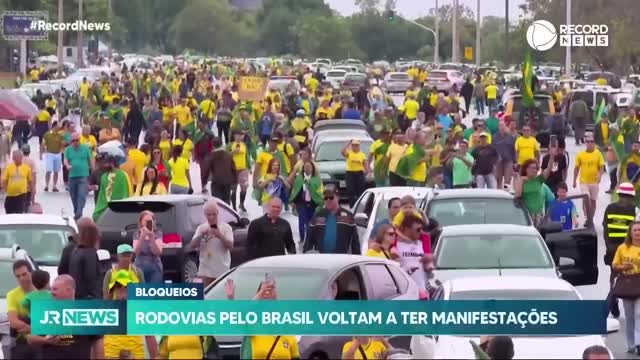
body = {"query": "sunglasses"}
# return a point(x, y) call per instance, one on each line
point(157, 153)
point(391, 233)
point(329, 198)
point(74, 141)
point(589, 141)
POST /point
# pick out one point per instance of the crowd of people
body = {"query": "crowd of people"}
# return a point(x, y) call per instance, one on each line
point(173, 117)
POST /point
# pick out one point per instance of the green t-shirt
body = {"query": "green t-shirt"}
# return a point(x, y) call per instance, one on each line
point(467, 133)
point(492, 125)
point(461, 172)
point(533, 195)
point(35, 295)
point(78, 159)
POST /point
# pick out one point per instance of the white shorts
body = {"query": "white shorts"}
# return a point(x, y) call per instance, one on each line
point(591, 190)
point(53, 162)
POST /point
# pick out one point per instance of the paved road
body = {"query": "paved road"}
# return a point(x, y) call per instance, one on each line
point(56, 203)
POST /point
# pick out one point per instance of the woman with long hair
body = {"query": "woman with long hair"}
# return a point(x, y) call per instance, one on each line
point(147, 245)
point(530, 188)
point(151, 184)
point(84, 266)
point(385, 237)
point(180, 175)
point(306, 194)
point(159, 162)
point(274, 184)
point(185, 143)
point(165, 144)
point(626, 261)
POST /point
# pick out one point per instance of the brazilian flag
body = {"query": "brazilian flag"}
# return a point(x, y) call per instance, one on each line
point(527, 81)
point(409, 162)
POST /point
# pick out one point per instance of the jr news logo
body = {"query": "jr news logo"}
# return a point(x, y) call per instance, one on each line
point(542, 35)
point(81, 317)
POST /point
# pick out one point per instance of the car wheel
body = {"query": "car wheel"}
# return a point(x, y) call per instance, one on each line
point(190, 268)
point(319, 356)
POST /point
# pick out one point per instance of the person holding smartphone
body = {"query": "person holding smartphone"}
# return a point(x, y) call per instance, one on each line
point(214, 241)
point(147, 245)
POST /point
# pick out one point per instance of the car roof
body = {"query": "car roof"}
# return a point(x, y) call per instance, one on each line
point(37, 219)
point(169, 198)
point(472, 193)
point(484, 283)
point(345, 138)
point(389, 192)
point(329, 262)
point(489, 229)
point(338, 122)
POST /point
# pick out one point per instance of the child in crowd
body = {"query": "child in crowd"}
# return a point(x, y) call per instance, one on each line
point(40, 280)
point(563, 210)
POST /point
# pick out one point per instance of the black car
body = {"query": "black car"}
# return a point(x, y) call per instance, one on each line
point(177, 216)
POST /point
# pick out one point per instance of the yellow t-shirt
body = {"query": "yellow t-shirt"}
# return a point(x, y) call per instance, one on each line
point(140, 159)
point(17, 178)
point(372, 350)
point(433, 98)
point(411, 108)
point(300, 124)
point(181, 347)
point(167, 114)
point(90, 141)
point(84, 90)
point(355, 160)
point(286, 348)
point(114, 344)
point(183, 115)
point(492, 91)
point(208, 108)
point(263, 161)
point(381, 254)
point(146, 189)
point(239, 155)
point(187, 147)
point(420, 172)
point(327, 110)
point(165, 148)
point(629, 254)
point(589, 163)
point(14, 302)
point(435, 156)
point(179, 169)
point(395, 153)
point(376, 144)
point(287, 150)
point(411, 92)
point(51, 103)
point(472, 140)
point(44, 116)
point(312, 84)
point(526, 148)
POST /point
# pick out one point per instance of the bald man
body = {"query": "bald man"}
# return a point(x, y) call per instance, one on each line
point(63, 288)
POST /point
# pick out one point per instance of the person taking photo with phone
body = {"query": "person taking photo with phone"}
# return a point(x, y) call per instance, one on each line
point(214, 241)
point(147, 245)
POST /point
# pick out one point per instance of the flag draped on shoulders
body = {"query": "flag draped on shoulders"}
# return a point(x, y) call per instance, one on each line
point(408, 162)
point(314, 184)
point(380, 167)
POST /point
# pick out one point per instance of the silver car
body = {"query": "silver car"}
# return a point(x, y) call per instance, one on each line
point(309, 277)
point(443, 80)
point(397, 82)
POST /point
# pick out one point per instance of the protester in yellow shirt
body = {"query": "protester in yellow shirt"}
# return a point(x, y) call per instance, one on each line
point(183, 114)
point(180, 175)
point(385, 237)
point(357, 168)
point(165, 144)
point(365, 348)
point(186, 144)
point(17, 181)
point(238, 150)
point(590, 167)
point(395, 152)
point(15, 311)
point(527, 147)
point(410, 108)
point(87, 139)
point(84, 88)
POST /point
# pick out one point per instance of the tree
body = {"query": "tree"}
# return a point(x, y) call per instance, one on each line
point(368, 6)
point(325, 37)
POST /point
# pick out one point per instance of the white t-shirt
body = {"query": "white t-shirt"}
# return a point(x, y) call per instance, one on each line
point(411, 254)
point(215, 258)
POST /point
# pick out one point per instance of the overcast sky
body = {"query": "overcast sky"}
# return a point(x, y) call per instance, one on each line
point(416, 8)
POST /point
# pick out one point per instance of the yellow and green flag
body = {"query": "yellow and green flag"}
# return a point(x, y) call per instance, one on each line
point(527, 80)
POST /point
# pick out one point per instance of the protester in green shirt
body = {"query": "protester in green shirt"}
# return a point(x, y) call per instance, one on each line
point(529, 188)
point(492, 123)
point(40, 280)
point(461, 165)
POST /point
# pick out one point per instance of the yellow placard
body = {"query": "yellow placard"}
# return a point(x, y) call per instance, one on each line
point(252, 87)
point(468, 53)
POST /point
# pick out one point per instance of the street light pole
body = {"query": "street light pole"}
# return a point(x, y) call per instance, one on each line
point(435, 34)
point(478, 33)
point(436, 49)
point(454, 32)
point(60, 39)
point(110, 21)
point(567, 59)
point(506, 31)
point(79, 45)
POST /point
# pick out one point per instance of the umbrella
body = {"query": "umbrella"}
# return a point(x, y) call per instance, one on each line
point(25, 108)
point(114, 149)
point(9, 112)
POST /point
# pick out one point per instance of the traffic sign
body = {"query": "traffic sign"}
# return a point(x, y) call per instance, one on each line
point(17, 25)
point(468, 53)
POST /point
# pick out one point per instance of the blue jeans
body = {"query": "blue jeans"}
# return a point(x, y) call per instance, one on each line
point(78, 189)
point(305, 213)
point(632, 315)
point(480, 105)
point(152, 272)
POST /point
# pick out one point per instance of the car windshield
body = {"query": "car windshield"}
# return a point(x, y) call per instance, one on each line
point(44, 243)
point(520, 294)
point(335, 74)
point(291, 284)
point(401, 77)
point(477, 211)
point(8, 281)
point(356, 77)
point(492, 251)
point(382, 212)
point(332, 151)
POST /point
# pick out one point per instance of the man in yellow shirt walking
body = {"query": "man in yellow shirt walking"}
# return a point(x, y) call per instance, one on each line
point(527, 147)
point(357, 169)
point(17, 181)
point(590, 167)
point(17, 313)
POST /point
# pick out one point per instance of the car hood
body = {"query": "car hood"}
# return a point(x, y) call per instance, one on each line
point(331, 167)
point(566, 347)
point(445, 275)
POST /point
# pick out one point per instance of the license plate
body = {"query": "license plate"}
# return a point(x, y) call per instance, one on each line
point(343, 184)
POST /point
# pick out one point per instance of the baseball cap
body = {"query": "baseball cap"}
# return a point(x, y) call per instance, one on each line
point(626, 189)
point(484, 134)
point(300, 112)
point(355, 142)
point(124, 249)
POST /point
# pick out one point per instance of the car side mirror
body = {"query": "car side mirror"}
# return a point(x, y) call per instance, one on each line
point(361, 219)
point(244, 222)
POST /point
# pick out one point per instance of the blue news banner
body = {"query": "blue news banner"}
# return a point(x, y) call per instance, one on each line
point(179, 309)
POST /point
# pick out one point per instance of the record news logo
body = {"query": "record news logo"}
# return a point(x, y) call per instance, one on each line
point(81, 317)
point(542, 35)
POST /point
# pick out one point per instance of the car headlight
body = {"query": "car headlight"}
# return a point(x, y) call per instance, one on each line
point(325, 176)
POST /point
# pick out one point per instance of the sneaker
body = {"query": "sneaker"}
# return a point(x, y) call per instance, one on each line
point(242, 208)
point(46, 189)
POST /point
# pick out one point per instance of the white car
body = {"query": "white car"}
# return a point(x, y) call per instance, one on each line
point(507, 288)
point(397, 82)
point(30, 89)
point(335, 77)
point(327, 62)
point(373, 207)
point(43, 236)
point(443, 80)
